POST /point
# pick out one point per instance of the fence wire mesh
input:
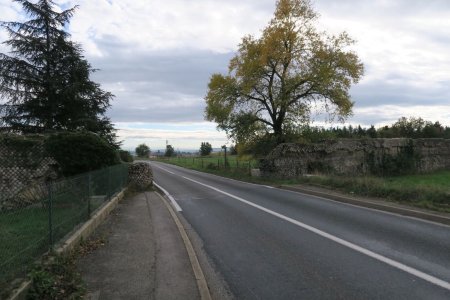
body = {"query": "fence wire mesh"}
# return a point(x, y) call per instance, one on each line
point(41, 215)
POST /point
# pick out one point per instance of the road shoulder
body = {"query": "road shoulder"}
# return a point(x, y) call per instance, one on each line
point(373, 203)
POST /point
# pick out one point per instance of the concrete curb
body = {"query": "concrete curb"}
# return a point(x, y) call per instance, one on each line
point(410, 212)
point(82, 233)
point(89, 227)
point(198, 272)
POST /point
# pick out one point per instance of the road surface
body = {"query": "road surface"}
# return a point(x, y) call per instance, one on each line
point(269, 243)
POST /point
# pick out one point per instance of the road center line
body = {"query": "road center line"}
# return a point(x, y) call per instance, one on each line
point(393, 263)
point(164, 169)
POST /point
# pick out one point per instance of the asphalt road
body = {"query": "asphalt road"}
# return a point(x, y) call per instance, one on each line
point(274, 244)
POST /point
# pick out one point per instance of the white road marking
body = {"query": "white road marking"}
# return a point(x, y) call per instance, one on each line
point(218, 176)
point(318, 197)
point(377, 210)
point(393, 263)
point(174, 202)
point(164, 169)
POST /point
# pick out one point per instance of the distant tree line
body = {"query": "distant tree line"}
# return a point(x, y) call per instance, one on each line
point(403, 128)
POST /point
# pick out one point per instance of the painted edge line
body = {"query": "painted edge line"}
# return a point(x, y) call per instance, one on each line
point(198, 272)
point(381, 258)
point(172, 200)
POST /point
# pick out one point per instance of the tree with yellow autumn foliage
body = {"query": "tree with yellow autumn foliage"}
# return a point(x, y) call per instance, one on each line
point(275, 81)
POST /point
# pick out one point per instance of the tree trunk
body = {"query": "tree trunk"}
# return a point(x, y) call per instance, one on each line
point(278, 131)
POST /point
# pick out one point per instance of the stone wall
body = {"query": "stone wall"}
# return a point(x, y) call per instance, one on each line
point(354, 156)
point(24, 170)
point(140, 176)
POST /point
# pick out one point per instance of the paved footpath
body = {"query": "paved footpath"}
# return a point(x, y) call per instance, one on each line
point(144, 256)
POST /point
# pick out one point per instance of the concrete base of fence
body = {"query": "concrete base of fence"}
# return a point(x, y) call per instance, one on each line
point(75, 238)
point(89, 227)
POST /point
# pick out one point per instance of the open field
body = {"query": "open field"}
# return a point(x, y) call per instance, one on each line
point(431, 191)
point(213, 161)
point(236, 167)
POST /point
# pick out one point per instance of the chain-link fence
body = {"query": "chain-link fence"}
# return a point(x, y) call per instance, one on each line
point(46, 213)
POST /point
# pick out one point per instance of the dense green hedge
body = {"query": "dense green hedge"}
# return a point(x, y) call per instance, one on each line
point(79, 152)
point(125, 156)
point(19, 150)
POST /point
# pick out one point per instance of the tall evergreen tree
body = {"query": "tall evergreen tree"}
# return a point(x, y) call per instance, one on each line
point(45, 81)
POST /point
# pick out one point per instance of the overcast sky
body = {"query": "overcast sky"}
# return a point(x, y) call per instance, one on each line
point(156, 56)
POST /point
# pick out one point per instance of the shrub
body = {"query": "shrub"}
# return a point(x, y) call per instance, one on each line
point(205, 149)
point(170, 151)
point(142, 150)
point(125, 156)
point(405, 162)
point(212, 166)
point(57, 279)
point(21, 150)
point(79, 152)
point(258, 146)
point(233, 150)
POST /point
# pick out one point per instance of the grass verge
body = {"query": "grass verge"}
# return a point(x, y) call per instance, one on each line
point(56, 279)
point(236, 168)
point(427, 191)
point(25, 235)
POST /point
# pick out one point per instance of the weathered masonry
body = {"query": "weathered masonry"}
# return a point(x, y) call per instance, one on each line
point(358, 157)
point(24, 170)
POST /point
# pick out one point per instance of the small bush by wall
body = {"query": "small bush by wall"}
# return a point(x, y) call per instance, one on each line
point(25, 151)
point(125, 156)
point(406, 161)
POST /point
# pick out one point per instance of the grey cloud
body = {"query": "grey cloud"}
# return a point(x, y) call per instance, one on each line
point(383, 93)
point(367, 120)
point(154, 79)
point(403, 7)
point(184, 71)
point(156, 114)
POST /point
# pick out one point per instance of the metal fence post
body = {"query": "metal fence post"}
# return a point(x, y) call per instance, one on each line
point(109, 183)
point(125, 176)
point(122, 179)
point(50, 215)
point(89, 194)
